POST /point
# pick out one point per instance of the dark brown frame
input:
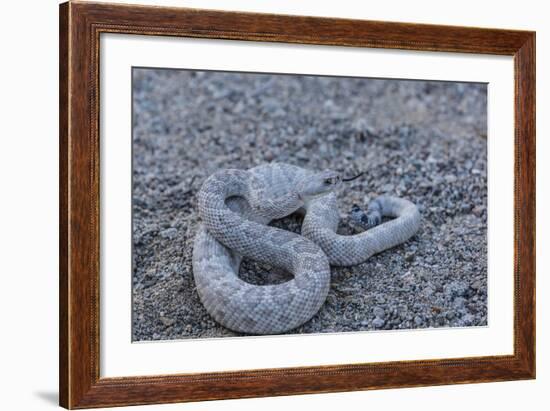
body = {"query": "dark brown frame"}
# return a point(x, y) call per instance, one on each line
point(80, 27)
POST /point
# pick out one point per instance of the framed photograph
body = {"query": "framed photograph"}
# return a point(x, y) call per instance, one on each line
point(259, 205)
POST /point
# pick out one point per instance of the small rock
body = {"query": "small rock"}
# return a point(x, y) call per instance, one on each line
point(169, 233)
point(149, 281)
point(428, 291)
point(450, 178)
point(402, 311)
point(379, 312)
point(476, 285)
point(167, 321)
point(465, 208)
point(378, 323)
point(478, 210)
point(459, 302)
point(388, 188)
point(380, 299)
point(455, 289)
point(468, 319)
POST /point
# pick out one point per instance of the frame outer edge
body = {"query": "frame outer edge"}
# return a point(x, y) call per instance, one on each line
point(64, 352)
point(526, 202)
point(79, 234)
point(80, 384)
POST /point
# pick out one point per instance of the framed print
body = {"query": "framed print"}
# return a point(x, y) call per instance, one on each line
point(258, 205)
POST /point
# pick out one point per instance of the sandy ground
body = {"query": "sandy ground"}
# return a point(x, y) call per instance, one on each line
point(425, 141)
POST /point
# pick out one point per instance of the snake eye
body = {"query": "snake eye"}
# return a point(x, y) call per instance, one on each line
point(328, 181)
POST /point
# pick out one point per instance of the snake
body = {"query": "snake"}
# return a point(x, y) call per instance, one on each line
point(236, 206)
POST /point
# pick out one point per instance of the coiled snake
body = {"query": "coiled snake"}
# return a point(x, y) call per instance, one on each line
point(235, 207)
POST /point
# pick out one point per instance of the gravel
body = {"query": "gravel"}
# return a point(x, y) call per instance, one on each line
point(425, 141)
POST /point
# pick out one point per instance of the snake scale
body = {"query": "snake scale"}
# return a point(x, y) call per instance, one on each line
point(235, 207)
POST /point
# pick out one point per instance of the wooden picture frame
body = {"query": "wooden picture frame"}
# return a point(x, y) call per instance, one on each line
point(80, 27)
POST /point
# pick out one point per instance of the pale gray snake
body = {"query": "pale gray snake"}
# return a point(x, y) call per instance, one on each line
point(236, 206)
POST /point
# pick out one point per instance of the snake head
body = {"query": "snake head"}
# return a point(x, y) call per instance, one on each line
point(318, 184)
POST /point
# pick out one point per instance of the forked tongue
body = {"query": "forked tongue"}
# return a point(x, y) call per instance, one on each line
point(354, 177)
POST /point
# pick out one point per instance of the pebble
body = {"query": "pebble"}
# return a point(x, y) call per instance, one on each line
point(379, 312)
point(465, 208)
point(459, 302)
point(380, 299)
point(450, 178)
point(378, 323)
point(387, 188)
point(169, 233)
point(167, 321)
point(428, 291)
point(454, 289)
point(478, 210)
point(476, 285)
point(468, 319)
